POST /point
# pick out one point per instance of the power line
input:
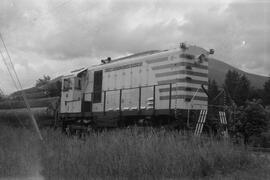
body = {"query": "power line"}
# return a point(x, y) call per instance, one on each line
point(3, 58)
point(11, 63)
point(10, 73)
point(20, 85)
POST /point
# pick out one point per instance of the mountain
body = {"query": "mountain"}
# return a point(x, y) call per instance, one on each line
point(218, 69)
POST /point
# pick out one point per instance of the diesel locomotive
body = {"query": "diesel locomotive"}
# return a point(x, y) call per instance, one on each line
point(159, 87)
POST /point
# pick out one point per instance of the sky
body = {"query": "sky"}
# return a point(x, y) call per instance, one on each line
point(53, 37)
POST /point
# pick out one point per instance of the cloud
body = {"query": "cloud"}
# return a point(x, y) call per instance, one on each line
point(52, 37)
point(253, 28)
point(226, 29)
point(108, 29)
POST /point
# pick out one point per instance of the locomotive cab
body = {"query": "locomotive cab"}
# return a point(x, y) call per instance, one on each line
point(72, 93)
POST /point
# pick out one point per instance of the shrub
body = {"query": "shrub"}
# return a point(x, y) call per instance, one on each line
point(250, 121)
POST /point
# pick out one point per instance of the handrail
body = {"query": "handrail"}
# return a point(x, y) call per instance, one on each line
point(140, 88)
point(132, 88)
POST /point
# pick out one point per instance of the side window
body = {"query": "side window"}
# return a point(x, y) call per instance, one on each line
point(97, 94)
point(67, 85)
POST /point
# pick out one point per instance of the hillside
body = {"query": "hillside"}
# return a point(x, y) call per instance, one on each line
point(218, 70)
point(39, 92)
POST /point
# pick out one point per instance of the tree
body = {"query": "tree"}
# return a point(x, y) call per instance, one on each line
point(256, 93)
point(231, 81)
point(51, 88)
point(42, 81)
point(238, 87)
point(250, 120)
point(212, 124)
point(266, 92)
point(54, 89)
point(212, 89)
point(1, 95)
point(243, 90)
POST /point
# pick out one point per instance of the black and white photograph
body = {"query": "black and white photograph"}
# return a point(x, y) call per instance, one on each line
point(134, 89)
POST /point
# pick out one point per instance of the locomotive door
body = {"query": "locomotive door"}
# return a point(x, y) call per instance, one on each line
point(97, 100)
point(71, 95)
point(87, 92)
point(97, 87)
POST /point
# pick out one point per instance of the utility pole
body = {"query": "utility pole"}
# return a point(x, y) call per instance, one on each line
point(20, 86)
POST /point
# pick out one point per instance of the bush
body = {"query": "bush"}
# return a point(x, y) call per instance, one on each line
point(250, 121)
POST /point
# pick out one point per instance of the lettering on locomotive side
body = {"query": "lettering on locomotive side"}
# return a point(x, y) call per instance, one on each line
point(123, 67)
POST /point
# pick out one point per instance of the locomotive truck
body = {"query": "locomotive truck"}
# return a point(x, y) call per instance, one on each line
point(160, 87)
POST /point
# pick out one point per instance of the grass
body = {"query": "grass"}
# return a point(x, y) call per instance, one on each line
point(19, 152)
point(20, 117)
point(125, 154)
point(17, 104)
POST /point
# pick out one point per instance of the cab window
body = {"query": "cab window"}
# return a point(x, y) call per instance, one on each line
point(67, 85)
point(78, 85)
